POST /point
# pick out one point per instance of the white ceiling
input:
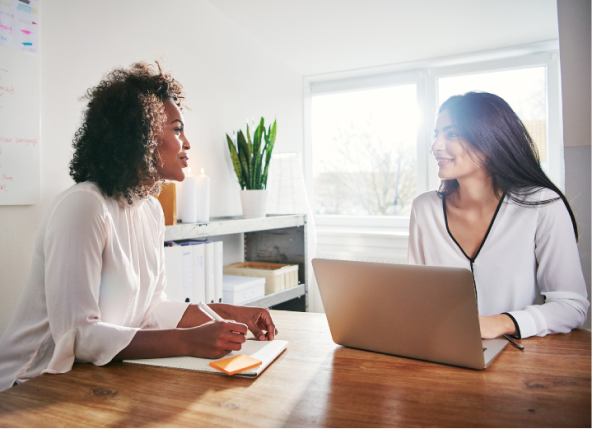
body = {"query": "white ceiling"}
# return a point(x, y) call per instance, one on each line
point(322, 36)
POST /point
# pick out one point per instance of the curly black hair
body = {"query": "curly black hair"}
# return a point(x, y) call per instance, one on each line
point(117, 145)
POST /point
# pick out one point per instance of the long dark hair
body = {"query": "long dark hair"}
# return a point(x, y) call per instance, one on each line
point(498, 140)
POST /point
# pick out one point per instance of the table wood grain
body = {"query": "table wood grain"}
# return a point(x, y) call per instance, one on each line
point(317, 383)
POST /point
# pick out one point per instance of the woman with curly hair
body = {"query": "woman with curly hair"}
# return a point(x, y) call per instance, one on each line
point(498, 214)
point(96, 289)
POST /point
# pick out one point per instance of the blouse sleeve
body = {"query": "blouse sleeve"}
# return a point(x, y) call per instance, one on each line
point(74, 240)
point(559, 277)
point(162, 313)
point(415, 254)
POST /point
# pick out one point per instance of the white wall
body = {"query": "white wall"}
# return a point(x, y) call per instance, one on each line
point(574, 52)
point(227, 74)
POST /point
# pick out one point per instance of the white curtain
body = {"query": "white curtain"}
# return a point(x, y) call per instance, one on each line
point(287, 195)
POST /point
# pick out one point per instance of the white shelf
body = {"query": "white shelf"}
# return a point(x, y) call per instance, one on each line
point(278, 297)
point(261, 244)
point(231, 225)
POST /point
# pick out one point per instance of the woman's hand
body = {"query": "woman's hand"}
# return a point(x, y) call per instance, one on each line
point(210, 340)
point(257, 319)
point(496, 326)
point(214, 340)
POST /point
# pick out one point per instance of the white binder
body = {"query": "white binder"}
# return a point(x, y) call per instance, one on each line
point(199, 273)
point(218, 271)
point(173, 268)
point(209, 272)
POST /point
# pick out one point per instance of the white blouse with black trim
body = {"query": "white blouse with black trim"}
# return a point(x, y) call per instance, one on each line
point(528, 265)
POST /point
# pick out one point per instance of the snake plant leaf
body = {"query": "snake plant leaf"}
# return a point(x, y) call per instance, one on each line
point(257, 137)
point(263, 180)
point(236, 162)
point(273, 132)
point(245, 157)
point(256, 160)
point(268, 151)
point(266, 170)
point(258, 176)
point(249, 138)
point(245, 169)
point(243, 145)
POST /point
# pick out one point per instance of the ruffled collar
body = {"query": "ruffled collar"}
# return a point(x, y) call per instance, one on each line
point(137, 202)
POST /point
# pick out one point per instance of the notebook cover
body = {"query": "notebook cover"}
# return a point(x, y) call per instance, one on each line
point(265, 351)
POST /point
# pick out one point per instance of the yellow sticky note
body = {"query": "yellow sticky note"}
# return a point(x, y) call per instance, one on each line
point(234, 365)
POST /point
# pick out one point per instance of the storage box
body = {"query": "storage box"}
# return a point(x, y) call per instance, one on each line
point(240, 289)
point(277, 276)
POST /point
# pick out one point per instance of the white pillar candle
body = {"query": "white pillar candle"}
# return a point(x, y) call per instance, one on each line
point(203, 197)
point(189, 206)
point(180, 200)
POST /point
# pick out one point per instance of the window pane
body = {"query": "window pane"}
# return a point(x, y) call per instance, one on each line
point(523, 89)
point(364, 151)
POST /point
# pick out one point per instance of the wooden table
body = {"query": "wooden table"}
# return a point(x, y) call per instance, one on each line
point(317, 383)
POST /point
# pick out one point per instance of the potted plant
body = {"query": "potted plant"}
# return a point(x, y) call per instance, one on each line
point(251, 165)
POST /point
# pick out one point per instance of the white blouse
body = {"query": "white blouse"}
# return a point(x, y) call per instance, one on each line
point(528, 265)
point(96, 278)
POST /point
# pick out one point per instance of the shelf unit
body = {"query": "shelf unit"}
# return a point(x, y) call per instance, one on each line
point(275, 238)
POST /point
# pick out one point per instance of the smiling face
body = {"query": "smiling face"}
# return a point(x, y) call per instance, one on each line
point(453, 160)
point(173, 145)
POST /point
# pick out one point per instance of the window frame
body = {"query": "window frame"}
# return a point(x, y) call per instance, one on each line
point(425, 75)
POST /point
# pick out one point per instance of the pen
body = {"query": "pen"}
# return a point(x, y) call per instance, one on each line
point(209, 312)
point(514, 342)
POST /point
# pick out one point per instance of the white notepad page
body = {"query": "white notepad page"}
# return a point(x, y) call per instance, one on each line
point(265, 351)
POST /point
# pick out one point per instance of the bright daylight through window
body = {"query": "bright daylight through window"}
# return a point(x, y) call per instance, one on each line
point(365, 151)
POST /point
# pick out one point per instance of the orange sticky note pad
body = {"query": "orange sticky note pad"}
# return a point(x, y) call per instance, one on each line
point(234, 365)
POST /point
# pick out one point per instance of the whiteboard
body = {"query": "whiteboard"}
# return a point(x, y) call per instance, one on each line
point(20, 179)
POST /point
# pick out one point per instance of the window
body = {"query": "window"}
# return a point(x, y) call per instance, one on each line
point(364, 156)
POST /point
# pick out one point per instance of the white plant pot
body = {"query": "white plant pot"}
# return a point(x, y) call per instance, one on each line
point(254, 203)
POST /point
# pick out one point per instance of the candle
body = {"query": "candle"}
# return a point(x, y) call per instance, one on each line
point(203, 197)
point(168, 201)
point(189, 206)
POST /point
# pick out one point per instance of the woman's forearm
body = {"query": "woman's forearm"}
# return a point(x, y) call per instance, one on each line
point(210, 340)
point(192, 317)
point(148, 344)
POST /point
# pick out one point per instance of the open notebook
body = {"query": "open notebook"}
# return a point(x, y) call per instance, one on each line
point(265, 351)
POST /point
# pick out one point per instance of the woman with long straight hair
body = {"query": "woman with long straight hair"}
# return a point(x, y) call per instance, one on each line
point(499, 215)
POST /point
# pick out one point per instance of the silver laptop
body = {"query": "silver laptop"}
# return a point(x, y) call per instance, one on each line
point(414, 311)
